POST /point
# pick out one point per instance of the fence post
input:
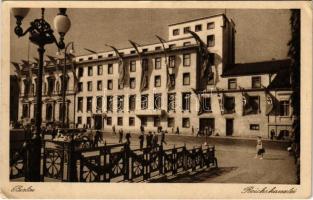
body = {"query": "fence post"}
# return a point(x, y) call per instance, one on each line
point(160, 155)
point(44, 161)
point(193, 159)
point(72, 162)
point(126, 161)
point(174, 160)
point(184, 157)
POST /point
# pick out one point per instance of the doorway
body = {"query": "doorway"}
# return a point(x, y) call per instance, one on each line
point(207, 122)
point(229, 127)
point(98, 122)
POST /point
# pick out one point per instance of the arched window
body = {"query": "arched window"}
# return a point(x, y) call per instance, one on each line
point(49, 112)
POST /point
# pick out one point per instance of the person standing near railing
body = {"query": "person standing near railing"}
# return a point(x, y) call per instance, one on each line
point(120, 136)
point(141, 140)
point(163, 138)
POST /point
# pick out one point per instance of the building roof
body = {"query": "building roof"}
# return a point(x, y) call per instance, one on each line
point(264, 67)
point(197, 19)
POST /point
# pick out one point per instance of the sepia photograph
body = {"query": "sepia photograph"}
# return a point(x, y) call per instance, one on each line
point(154, 95)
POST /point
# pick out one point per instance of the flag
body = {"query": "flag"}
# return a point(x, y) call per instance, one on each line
point(271, 101)
point(144, 67)
point(169, 82)
point(121, 67)
point(205, 61)
point(200, 100)
point(246, 102)
point(221, 97)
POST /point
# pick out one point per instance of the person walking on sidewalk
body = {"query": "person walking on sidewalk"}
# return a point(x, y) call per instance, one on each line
point(120, 133)
point(177, 130)
point(259, 148)
point(149, 139)
point(141, 140)
point(163, 138)
point(113, 130)
point(127, 137)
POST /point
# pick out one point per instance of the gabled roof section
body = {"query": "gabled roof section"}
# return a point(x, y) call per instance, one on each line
point(264, 67)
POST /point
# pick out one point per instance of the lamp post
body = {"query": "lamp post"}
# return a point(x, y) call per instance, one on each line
point(41, 34)
point(63, 80)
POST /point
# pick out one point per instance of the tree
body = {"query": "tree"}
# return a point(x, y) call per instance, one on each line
point(294, 55)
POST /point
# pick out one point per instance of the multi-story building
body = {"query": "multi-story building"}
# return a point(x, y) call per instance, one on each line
point(249, 99)
point(52, 101)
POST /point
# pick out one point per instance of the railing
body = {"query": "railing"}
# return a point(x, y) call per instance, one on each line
point(74, 162)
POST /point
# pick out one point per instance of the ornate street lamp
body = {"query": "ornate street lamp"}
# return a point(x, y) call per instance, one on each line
point(41, 34)
point(71, 51)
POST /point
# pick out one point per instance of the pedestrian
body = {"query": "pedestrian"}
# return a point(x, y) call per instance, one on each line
point(163, 138)
point(177, 130)
point(120, 136)
point(113, 130)
point(172, 130)
point(259, 148)
point(127, 137)
point(97, 138)
point(149, 139)
point(192, 131)
point(198, 132)
point(272, 134)
point(155, 140)
point(141, 140)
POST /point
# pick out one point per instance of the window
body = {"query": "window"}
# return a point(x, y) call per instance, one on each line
point(170, 122)
point(79, 120)
point(25, 110)
point(172, 79)
point(132, 66)
point(61, 108)
point(100, 56)
point(89, 85)
point(120, 103)
point(120, 121)
point(175, 32)
point(99, 104)
point(172, 61)
point(187, 43)
point(186, 79)
point(156, 121)
point(110, 68)
point(254, 127)
point(99, 85)
point(232, 83)
point(132, 103)
point(186, 59)
point(132, 83)
point(89, 58)
point(110, 55)
point(50, 86)
point(132, 51)
point(109, 121)
point(89, 104)
point(171, 46)
point(186, 122)
point(80, 104)
point(210, 40)
point(88, 122)
point(198, 28)
point(90, 71)
point(80, 71)
point(157, 101)
point(186, 29)
point(157, 81)
point(171, 101)
point(205, 104)
point(284, 108)
point(110, 84)
point(144, 102)
point(81, 59)
point(229, 104)
point(120, 86)
point(110, 103)
point(65, 84)
point(256, 82)
point(144, 50)
point(131, 121)
point(100, 69)
point(144, 121)
point(186, 101)
point(255, 104)
point(210, 25)
point(80, 87)
point(157, 48)
point(157, 63)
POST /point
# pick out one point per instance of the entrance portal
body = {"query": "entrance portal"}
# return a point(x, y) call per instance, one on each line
point(207, 122)
point(98, 122)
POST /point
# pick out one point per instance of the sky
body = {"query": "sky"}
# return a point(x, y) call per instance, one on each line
point(261, 34)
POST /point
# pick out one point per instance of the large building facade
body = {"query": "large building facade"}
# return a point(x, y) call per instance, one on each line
point(250, 99)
